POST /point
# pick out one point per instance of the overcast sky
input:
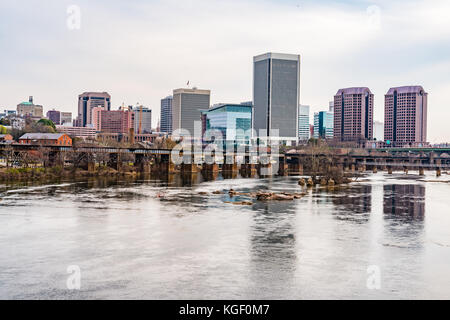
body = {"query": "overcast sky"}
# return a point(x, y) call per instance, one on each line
point(139, 51)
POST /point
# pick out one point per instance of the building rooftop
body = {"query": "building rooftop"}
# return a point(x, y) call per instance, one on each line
point(226, 105)
point(42, 136)
point(193, 91)
point(406, 89)
point(354, 90)
point(280, 56)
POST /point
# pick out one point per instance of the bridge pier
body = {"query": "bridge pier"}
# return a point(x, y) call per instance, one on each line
point(86, 161)
point(265, 169)
point(248, 170)
point(115, 161)
point(141, 163)
point(54, 159)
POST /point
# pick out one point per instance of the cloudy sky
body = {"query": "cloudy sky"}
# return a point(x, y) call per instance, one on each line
point(139, 51)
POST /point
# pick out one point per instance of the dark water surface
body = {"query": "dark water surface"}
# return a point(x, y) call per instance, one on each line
point(159, 240)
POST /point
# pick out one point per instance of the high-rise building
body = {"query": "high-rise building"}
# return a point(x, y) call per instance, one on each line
point(29, 109)
point(112, 121)
point(353, 114)
point(142, 119)
point(303, 123)
point(89, 100)
point(405, 116)
point(166, 115)
point(323, 125)
point(187, 106)
point(378, 130)
point(234, 121)
point(276, 94)
point(54, 116)
point(66, 117)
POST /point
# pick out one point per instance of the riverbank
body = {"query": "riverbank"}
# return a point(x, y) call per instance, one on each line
point(41, 173)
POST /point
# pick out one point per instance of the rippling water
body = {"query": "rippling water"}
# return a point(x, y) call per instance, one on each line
point(148, 239)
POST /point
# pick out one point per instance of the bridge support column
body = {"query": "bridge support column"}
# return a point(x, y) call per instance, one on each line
point(230, 167)
point(210, 168)
point(189, 168)
point(54, 159)
point(86, 162)
point(141, 164)
point(265, 169)
point(115, 161)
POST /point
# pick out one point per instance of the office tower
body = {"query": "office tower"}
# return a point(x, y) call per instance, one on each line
point(112, 121)
point(353, 114)
point(166, 115)
point(54, 116)
point(66, 118)
point(187, 106)
point(378, 130)
point(303, 123)
point(89, 100)
point(29, 109)
point(323, 125)
point(142, 119)
point(276, 94)
point(234, 121)
point(405, 116)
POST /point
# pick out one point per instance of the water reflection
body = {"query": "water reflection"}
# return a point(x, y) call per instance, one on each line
point(404, 202)
point(141, 237)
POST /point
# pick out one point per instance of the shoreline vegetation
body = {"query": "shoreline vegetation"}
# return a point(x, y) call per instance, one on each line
point(57, 172)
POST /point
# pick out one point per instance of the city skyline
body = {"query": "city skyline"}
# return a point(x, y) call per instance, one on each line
point(137, 68)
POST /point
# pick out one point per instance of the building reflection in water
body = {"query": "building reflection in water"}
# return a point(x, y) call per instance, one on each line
point(273, 246)
point(405, 202)
point(353, 204)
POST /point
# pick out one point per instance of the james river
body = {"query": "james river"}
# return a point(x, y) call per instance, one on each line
point(148, 239)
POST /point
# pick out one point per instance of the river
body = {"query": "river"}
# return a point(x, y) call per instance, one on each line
point(150, 239)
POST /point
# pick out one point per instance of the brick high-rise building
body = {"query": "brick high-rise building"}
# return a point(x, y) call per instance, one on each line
point(89, 100)
point(112, 121)
point(405, 116)
point(353, 114)
point(54, 116)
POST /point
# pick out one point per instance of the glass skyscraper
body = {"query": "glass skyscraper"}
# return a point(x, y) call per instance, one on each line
point(234, 121)
point(303, 123)
point(166, 115)
point(276, 94)
point(323, 125)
